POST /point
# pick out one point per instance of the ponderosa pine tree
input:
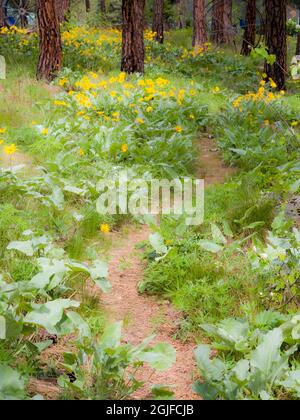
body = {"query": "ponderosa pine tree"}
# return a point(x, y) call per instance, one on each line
point(102, 7)
point(133, 48)
point(62, 9)
point(158, 20)
point(276, 40)
point(199, 31)
point(298, 44)
point(88, 6)
point(50, 53)
point(228, 27)
point(217, 28)
point(1, 13)
point(250, 29)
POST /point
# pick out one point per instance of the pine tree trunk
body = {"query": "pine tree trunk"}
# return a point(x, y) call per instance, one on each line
point(250, 30)
point(228, 27)
point(276, 40)
point(50, 58)
point(218, 22)
point(158, 20)
point(179, 13)
point(133, 49)
point(200, 34)
point(62, 9)
point(1, 13)
point(298, 44)
point(88, 6)
point(102, 6)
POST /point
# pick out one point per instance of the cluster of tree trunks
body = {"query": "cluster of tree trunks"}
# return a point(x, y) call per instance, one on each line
point(158, 20)
point(133, 49)
point(250, 30)
point(50, 57)
point(199, 33)
point(276, 40)
point(1, 13)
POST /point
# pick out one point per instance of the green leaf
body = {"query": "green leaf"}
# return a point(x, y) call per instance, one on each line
point(49, 314)
point(205, 390)
point(22, 246)
point(157, 242)
point(79, 324)
point(162, 392)
point(160, 357)
point(2, 328)
point(11, 384)
point(266, 357)
point(210, 246)
point(112, 335)
point(210, 369)
point(217, 235)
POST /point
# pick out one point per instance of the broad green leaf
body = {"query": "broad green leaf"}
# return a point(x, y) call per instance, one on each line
point(2, 328)
point(79, 324)
point(22, 246)
point(210, 246)
point(160, 357)
point(49, 314)
point(112, 335)
point(266, 357)
point(211, 369)
point(217, 235)
point(11, 384)
point(157, 242)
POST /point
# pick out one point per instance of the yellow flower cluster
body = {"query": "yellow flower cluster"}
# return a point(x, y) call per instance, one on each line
point(262, 94)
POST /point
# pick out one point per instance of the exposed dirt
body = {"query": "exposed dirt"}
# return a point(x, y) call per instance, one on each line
point(143, 316)
point(211, 167)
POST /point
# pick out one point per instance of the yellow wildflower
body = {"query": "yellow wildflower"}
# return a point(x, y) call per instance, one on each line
point(124, 148)
point(105, 228)
point(10, 150)
point(178, 129)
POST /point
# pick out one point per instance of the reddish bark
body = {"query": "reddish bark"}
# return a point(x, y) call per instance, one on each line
point(276, 40)
point(199, 34)
point(158, 20)
point(250, 30)
point(133, 49)
point(50, 56)
point(218, 35)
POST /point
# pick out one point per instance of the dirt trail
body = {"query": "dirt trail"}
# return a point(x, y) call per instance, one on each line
point(211, 166)
point(145, 315)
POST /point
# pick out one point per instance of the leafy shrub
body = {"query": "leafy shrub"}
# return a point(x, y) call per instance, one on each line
point(260, 361)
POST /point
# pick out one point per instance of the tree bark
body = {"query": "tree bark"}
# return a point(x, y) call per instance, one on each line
point(179, 14)
point(88, 5)
point(62, 9)
point(250, 30)
point(298, 44)
point(133, 49)
point(200, 34)
point(102, 6)
point(158, 20)
point(50, 57)
point(228, 27)
point(218, 35)
point(1, 13)
point(276, 40)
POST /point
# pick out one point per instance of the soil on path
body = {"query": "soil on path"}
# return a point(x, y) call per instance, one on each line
point(144, 315)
